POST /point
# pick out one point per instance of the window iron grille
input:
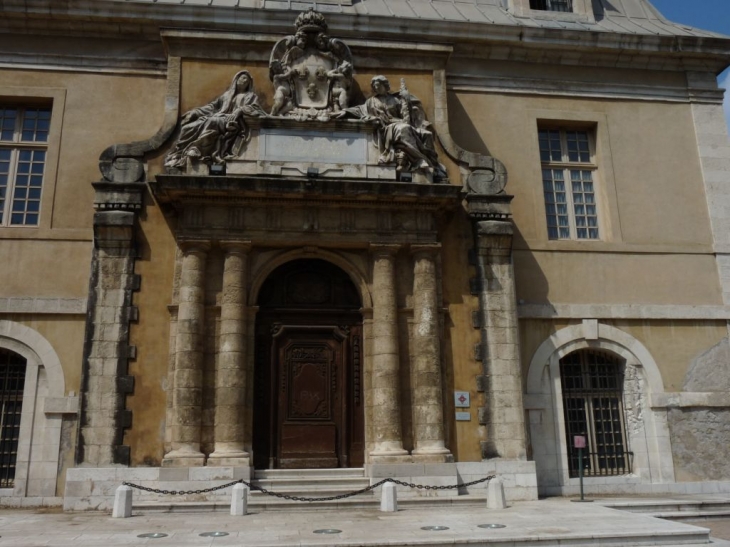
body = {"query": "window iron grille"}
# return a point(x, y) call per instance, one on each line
point(12, 383)
point(592, 383)
point(552, 5)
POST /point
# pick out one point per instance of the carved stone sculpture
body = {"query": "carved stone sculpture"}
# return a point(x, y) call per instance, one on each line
point(312, 76)
point(311, 72)
point(404, 134)
point(209, 133)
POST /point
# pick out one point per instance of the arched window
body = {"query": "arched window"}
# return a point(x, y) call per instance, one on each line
point(12, 382)
point(592, 383)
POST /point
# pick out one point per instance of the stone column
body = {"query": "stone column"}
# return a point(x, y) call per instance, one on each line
point(385, 384)
point(187, 392)
point(230, 383)
point(428, 412)
point(502, 380)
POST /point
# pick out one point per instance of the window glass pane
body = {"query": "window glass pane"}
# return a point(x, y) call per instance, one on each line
point(8, 116)
point(36, 123)
point(27, 193)
point(5, 156)
point(549, 141)
point(552, 5)
point(556, 206)
point(578, 148)
point(582, 187)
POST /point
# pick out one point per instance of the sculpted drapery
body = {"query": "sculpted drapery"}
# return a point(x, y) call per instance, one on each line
point(208, 133)
point(403, 134)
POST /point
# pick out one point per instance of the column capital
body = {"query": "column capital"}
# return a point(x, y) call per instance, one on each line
point(194, 245)
point(383, 249)
point(425, 248)
point(236, 246)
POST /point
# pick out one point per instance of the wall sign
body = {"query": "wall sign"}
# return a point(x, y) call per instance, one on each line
point(463, 416)
point(462, 399)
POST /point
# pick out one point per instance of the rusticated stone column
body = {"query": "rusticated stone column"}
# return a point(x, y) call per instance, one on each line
point(187, 391)
point(385, 384)
point(502, 380)
point(428, 412)
point(230, 384)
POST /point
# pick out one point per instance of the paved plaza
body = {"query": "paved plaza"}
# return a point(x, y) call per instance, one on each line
point(542, 523)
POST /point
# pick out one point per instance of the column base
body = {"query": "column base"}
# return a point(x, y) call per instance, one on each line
point(432, 452)
point(229, 459)
point(389, 452)
point(183, 458)
point(432, 457)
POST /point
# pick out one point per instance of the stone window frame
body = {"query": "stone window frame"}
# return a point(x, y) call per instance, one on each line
point(582, 11)
point(23, 96)
point(567, 166)
point(44, 403)
point(647, 427)
point(604, 186)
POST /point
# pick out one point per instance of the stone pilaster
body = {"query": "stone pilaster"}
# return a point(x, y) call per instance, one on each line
point(502, 381)
point(187, 391)
point(428, 412)
point(385, 383)
point(105, 379)
point(230, 384)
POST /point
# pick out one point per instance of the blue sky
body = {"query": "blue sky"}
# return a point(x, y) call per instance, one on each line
point(706, 14)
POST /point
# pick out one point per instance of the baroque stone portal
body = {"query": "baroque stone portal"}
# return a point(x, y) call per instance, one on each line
point(312, 76)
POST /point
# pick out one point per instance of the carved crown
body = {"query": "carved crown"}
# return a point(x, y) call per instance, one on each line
point(310, 21)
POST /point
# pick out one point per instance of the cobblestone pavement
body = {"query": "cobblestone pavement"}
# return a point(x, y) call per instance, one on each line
point(720, 527)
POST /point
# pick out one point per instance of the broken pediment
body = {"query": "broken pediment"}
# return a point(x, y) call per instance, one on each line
point(312, 127)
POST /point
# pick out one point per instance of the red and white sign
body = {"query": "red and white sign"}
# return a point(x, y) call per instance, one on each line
point(579, 441)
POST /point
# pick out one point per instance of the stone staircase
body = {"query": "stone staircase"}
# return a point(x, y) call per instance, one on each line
point(311, 483)
point(674, 508)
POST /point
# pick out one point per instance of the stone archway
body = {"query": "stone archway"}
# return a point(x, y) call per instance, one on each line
point(308, 395)
point(647, 427)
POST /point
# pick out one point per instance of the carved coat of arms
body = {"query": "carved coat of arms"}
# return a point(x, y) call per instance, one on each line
point(311, 72)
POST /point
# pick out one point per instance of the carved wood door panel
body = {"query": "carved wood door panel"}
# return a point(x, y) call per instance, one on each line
point(308, 389)
point(310, 406)
point(310, 426)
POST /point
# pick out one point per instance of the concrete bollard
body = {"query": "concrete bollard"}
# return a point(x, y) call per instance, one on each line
point(495, 494)
point(122, 503)
point(239, 500)
point(388, 498)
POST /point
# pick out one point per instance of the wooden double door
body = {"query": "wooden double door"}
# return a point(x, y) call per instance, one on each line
point(313, 411)
point(308, 404)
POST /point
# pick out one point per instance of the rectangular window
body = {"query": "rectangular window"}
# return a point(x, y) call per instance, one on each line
point(552, 5)
point(568, 177)
point(23, 148)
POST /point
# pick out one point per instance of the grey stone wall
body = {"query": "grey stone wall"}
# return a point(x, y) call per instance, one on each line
point(700, 437)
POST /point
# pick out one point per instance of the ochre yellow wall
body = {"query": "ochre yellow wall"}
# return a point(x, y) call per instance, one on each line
point(672, 344)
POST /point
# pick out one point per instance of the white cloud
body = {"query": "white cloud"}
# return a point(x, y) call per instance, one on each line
point(724, 81)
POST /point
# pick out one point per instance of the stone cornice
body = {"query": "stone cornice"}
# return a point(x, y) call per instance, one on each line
point(177, 190)
point(144, 21)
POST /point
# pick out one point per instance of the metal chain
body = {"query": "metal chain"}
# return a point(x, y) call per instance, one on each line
point(302, 498)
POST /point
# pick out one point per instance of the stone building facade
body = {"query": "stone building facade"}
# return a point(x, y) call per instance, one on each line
point(432, 240)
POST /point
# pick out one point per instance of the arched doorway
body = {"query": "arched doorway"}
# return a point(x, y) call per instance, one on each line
point(308, 402)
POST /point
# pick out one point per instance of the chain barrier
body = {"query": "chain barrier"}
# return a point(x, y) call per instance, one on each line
point(307, 499)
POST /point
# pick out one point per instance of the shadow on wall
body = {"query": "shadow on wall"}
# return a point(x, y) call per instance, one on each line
point(532, 287)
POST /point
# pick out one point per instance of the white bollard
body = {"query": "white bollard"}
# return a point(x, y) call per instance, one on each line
point(122, 503)
point(388, 498)
point(495, 494)
point(239, 500)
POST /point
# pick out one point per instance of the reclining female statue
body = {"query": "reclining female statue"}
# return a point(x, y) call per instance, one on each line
point(208, 133)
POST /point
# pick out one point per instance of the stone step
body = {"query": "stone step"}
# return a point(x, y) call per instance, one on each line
point(343, 483)
point(309, 473)
point(668, 506)
point(268, 503)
